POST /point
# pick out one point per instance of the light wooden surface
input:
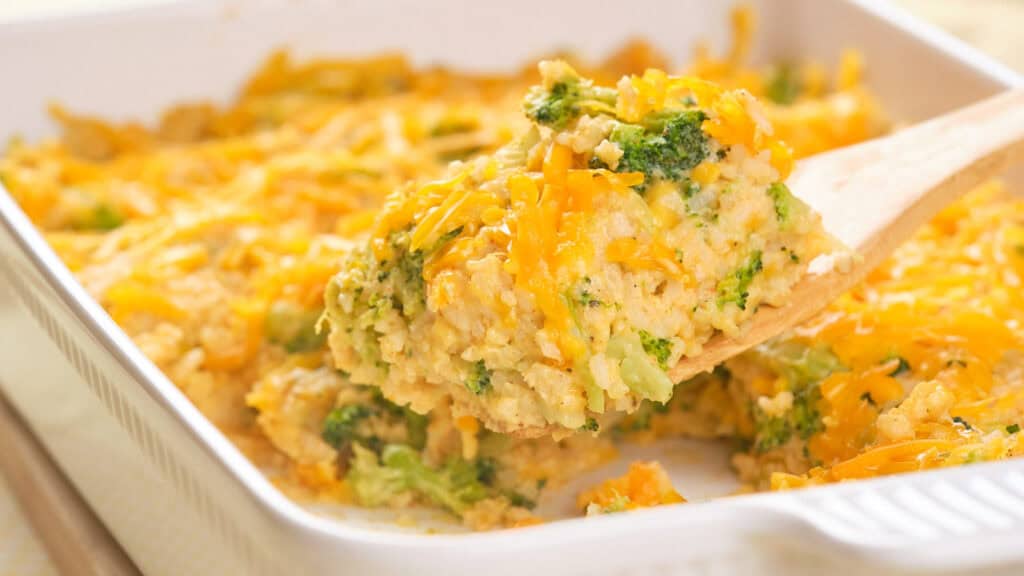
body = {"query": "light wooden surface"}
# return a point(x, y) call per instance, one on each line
point(874, 196)
point(992, 25)
point(75, 540)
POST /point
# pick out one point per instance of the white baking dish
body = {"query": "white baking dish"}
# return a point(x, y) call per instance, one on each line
point(183, 500)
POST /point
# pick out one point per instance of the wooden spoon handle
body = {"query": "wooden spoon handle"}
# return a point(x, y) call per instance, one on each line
point(875, 195)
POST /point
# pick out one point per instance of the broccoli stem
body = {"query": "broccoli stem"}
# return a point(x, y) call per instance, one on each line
point(400, 469)
point(637, 369)
point(293, 327)
point(566, 100)
point(734, 289)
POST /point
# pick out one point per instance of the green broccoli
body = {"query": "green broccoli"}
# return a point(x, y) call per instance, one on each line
point(666, 147)
point(293, 327)
point(454, 486)
point(415, 423)
point(406, 271)
point(566, 100)
point(415, 428)
point(660, 348)
point(591, 425)
point(783, 86)
point(770, 432)
point(688, 189)
point(801, 365)
point(479, 380)
point(584, 299)
point(486, 470)
point(106, 217)
point(372, 483)
point(803, 368)
point(802, 420)
point(102, 217)
point(520, 500)
point(786, 205)
point(734, 289)
point(407, 276)
point(638, 370)
point(339, 428)
point(1013, 428)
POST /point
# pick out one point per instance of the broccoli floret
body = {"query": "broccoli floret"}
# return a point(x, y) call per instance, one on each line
point(733, 289)
point(770, 432)
point(486, 470)
point(479, 380)
point(660, 348)
point(666, 147)
point(339, 428)
point(803, 420)
point(455, 486)
point(1013, 428)
point(638, 370)
point(415, 423)
point(106, 217)
point(293, 327)
point(591, 425)
point(788, 208)
point(407, 276)
point(372, 483)
point(415, 428)
point(783, 86)
point(566, 100)
point(406, 271)
point(799, 364)
point(688, 189)
point(102, 217)
point(803, 368)
point(584, 299)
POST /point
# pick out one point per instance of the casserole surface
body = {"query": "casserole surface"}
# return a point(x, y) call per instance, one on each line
point(87, 370)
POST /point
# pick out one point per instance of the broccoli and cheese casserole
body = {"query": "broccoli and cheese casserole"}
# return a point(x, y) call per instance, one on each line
point(215, 237)
point(557, 280)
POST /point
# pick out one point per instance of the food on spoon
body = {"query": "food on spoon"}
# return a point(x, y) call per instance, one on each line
point(559, 279)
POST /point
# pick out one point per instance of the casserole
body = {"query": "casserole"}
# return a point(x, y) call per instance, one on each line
point(94, 394)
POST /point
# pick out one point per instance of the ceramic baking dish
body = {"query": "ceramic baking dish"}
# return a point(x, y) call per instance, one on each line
point(182, 500)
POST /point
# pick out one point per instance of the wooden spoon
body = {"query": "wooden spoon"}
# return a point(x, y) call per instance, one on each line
point(873, 196)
